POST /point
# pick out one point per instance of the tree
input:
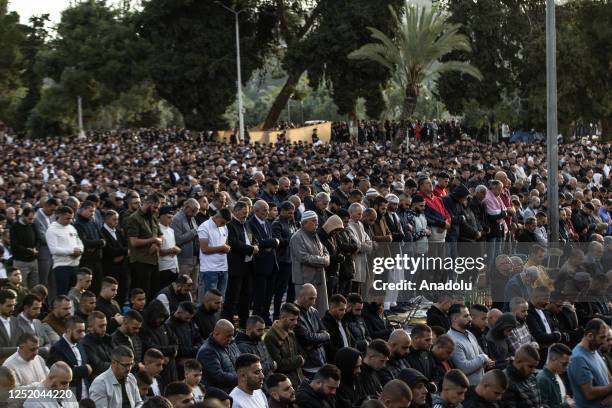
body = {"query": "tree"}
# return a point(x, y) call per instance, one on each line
point(192, 61)
point(422, 37)
point(343, 26)
point(11, 59)
point(96, 55)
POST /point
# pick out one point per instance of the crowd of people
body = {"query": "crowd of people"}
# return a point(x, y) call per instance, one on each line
point(154, 267)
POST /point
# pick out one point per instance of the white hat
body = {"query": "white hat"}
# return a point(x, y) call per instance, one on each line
point(308, 215)
point(392, 198)
point(372, 192)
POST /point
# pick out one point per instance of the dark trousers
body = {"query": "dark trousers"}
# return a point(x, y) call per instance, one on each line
point(146, 277)
point(63, 277)
point(167, 277)
point(283, 284)
point(238, 296)
point(344, 287)
point(263, 290)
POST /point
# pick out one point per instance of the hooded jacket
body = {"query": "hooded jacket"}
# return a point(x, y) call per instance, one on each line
point(330, 242)
point(499, 345)
point(346, 360)
point(412, 377)
point(157, 336)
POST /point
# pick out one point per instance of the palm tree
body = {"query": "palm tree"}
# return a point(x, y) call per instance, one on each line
point(422, 36)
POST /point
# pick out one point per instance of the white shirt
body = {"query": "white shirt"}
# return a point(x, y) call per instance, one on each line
point(198, 395)
point(247, 240)
point(544, 320)
point(155, 387)
point(216, 236)
point(27, 372)
point(77, 355)
point(7, 325)
point(168, 262)
point(244, 400)
point(343, 334)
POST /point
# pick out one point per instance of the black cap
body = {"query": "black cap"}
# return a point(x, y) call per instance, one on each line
point(412, 377)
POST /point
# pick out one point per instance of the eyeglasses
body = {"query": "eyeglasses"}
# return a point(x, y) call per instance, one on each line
point(127, 366)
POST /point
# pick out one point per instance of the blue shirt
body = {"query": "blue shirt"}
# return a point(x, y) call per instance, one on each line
point(586, 367)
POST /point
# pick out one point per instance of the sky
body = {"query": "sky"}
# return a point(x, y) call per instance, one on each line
point(28, 8)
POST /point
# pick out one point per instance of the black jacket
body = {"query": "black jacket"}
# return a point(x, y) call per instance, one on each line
point(480, 338)
point(205, 320)
point(154, 334)
point(538, 331)
point(422, 361)
point(248, 345)
point(367, 382)
point(312, 337)
point(133, 343)
point(98, 351)
point(283, 230)
point(347, 246)
point(335, 338)
point(187, 336)
point(393, 367)
point(265, 262)
point(436, 317)
point(521, 392)
point(61, 351)
point(240, 250)
point(473, 400)
point(110, 309)
point(567, 322)
point(306, 397)
point(335, 257)
point(358, 329)
point(378, 327)
point(91, 237)
point(23, 238)
point(346, 360)
point(113, 249)
point(497, 343)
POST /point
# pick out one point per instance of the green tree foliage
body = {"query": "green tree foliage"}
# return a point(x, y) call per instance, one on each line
point(96, 55)
point(193, 53)
point(421, 38)
point(11, 60)
point(343, 26)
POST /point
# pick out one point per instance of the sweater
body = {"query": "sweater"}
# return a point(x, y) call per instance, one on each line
point(62, 240)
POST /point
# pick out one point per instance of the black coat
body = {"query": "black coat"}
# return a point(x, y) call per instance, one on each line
point(61, 351)
point(306, 397)
point(473, 400)
point(133, 343)
point(538, 331)
point(367, 383)
point(205, 320)
point(98, 351)
point(358, 329)
point(187, 336)
point(91, 238)
point(248, 345)
point(312, 337)
point(521, 392)
point(113, 249)
point(393, 367)
point(283, 230)
point(378, 327)
point(335, 257)
point(240, 250)
point(335, 341)
point(347, 246)
point(159, 337)
point(436, 317)
point(218, 364)
point(422, 361)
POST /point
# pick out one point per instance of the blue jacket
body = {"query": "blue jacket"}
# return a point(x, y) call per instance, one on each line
point(218, 364)
point(265, 261)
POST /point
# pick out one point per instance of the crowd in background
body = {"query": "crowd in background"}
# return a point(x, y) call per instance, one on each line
point(145, 263)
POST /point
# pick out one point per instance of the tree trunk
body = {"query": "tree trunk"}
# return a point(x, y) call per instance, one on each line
point(606, 129)
point(281, 100)
point(410, 101)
